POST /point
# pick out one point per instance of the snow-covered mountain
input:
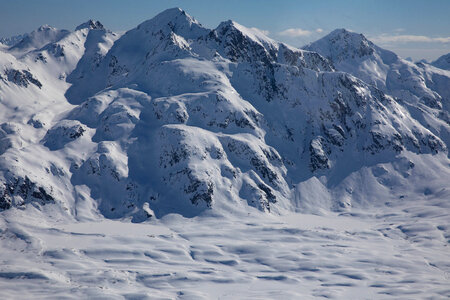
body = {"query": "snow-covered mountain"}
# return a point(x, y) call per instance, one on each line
point(353, 53)
point(11, 41)
point(237, 128)
point(442, 62)
point(421, 88)
point(38, 38)
point(175, 117)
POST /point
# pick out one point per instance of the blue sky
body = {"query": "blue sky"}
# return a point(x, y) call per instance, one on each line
point(420, 29)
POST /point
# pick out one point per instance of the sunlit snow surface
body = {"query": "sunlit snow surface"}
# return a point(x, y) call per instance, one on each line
point(254, 170)
point(400, 252)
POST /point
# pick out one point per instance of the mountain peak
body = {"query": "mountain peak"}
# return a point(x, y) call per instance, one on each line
point(174, 20)
point(90, 24)
point(230, 24)
point(11, 41)
point(46, 27)
point(442, 62)
point(348, 37)
point(174, 15)
point(342, 44)
point(345, 32)
point(38, 38)
point(252, 33)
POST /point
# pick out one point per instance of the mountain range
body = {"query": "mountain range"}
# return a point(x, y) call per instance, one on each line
point(232, 165)
point(172, 117)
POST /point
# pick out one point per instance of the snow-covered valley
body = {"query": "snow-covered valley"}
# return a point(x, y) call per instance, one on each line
point(177, 161)
point(401, 253)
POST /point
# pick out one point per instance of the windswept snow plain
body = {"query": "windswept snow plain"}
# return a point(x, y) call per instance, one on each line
point(180, 162)
point(400, 253)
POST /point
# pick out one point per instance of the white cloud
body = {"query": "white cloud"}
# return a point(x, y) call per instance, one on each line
point(265, 32)
point(295, 32)
point(319, 30)
point(385, 38)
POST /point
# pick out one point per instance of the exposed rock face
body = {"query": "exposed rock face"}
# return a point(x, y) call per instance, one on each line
point(91, 24)
point(22, 78)
point(20, 191)
point(63, 133)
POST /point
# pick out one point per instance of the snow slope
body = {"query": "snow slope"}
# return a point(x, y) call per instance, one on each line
point(442, 62)
point(189, 129)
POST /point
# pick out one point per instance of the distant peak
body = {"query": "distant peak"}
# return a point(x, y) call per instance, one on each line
point(342, 44)
point(346, 34)
point(341, 31)
point(174, 20)
point(45, 27)
point(172, 14)
point(227, 23)
point(172, 11)
point(91, 24)
point(442, 62)
point(343, 38)
point(255, 34)
point(230, 24)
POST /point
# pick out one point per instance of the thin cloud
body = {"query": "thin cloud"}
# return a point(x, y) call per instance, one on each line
point(295, 32)
point(319, 30)
point(385, 38)
point(265, 32)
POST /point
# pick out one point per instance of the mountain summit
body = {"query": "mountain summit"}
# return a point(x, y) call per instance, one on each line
point(44, 35)
point(419, 85)
point(174, 20)
point(353, 53)
point(91, 24)
point(442, 62)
